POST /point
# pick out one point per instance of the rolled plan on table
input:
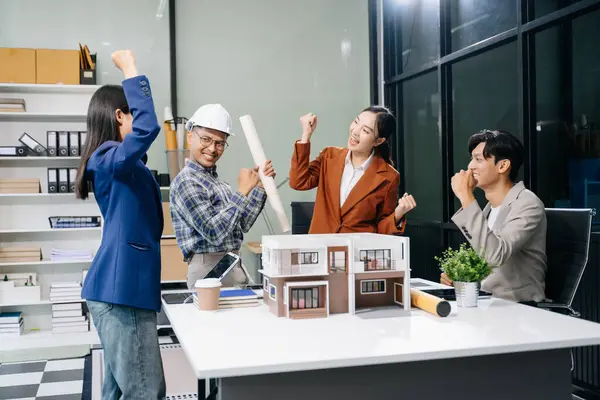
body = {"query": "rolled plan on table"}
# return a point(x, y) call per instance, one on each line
point(259, 157)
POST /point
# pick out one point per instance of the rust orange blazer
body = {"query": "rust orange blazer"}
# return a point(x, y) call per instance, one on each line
point(370, 204)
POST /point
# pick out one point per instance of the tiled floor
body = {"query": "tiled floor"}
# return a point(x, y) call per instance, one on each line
point(47, 380)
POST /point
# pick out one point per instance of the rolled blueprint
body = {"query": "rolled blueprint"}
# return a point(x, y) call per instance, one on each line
point(258, 155)
point(430, 303)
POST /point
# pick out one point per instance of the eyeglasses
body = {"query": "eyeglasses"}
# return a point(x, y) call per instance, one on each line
point(206, 142)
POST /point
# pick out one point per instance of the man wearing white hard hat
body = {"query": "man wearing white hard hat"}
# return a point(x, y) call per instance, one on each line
point(209, 217)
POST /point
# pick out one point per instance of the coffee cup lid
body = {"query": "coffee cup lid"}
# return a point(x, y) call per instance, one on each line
point(208, 283)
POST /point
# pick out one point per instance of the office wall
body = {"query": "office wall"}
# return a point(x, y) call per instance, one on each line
point(275, 60)
point(105, 26)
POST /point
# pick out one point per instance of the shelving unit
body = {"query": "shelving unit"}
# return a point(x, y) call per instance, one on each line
point(42, 263)
point(33, 116)
point(24, 217)
point(42, 88)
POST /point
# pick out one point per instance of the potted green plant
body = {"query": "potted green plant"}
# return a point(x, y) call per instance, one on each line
point(466, 268)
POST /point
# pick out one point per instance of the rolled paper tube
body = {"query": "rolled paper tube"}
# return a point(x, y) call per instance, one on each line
point(170, 137)
point(259, 157)
point(430, 303)
point(180, 135)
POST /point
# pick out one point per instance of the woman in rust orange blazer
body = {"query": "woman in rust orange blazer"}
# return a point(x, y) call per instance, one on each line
point(357, 186)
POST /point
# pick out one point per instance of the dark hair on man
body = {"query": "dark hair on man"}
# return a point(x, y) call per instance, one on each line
point(502, 146)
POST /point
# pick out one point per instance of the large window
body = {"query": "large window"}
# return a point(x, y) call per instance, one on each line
point(529, 67)
point(305, 258)
point(337, 261)
point(543, 7)
point(567, 114)
point(475, 20)
point(415, 40)
point(376, 260)
point(485, 95)
point(372, 286)
point(305, 298)
point(422, 171)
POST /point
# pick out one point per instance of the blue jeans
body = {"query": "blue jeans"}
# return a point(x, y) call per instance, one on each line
point(132, 363)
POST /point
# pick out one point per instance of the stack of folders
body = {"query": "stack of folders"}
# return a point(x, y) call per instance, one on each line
point(65, 292)
point(235, 298)
point(12, 105)
point(20, 185)
point(11, 324)
point(71, 255)
point(69, 318)
point(20, 254)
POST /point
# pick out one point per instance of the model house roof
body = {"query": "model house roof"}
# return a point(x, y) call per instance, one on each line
point(363, 240)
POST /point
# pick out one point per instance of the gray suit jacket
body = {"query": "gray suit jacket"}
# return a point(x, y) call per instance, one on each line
point(515, 246)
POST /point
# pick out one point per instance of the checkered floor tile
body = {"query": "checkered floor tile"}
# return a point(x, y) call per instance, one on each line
point(43, 380)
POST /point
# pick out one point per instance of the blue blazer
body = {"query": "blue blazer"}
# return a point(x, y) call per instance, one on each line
point(126, 268)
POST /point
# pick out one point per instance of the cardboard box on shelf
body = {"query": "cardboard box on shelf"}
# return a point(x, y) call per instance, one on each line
point(17, 65)
point(57, 66)
point(173, 267)
point(168, 226)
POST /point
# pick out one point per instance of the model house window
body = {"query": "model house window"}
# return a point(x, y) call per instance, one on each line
point(295, 259)
point(265, 284)
point(305, 298)
point(337, 261)
point(372, 287)
point(376, 260)
point(310, 258)
point(272, 292)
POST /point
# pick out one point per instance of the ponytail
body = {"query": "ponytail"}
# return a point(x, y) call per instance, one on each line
point(385, 125)
point(384, 150)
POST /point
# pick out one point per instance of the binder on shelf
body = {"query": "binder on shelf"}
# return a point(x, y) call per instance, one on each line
point(74, 144)
point(63, 180)
point(14, 151)
point(63, 144)
point(82, 137)
point(52, 143)
point(72, 179)
point(52, 180)
point(33, 145)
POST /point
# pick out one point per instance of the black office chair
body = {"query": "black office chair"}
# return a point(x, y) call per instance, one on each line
point(302, 212)
point(567, 247)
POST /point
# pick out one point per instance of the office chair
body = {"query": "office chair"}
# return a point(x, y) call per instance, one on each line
point(567, 247)
point(302, 213)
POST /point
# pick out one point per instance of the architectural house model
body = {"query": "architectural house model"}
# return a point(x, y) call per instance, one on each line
point(308, 276)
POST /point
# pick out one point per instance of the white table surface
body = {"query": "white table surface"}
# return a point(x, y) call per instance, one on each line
point(252, 341)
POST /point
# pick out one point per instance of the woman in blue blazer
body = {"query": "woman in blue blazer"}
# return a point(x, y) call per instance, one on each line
point(122, 287)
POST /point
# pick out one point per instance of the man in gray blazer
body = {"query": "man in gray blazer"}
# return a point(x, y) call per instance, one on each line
point(511, 229)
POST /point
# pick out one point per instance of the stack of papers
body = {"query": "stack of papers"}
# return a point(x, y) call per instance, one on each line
point(71, 255)
point(65, 292)
point(67, 318)
point(234, 298)
point(11, 324)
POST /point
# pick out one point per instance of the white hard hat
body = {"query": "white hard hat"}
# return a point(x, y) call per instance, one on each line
point(212, 116)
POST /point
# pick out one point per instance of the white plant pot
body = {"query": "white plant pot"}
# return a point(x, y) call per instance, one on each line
point(467, 293)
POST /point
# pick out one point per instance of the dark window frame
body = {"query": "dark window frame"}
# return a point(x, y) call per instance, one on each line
point(376, 254)
point(523, 33)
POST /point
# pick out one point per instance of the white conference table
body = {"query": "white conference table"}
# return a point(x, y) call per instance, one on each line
point(499, 350)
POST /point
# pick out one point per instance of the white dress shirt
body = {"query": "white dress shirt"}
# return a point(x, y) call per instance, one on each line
point(492, 216)
point(351, 175)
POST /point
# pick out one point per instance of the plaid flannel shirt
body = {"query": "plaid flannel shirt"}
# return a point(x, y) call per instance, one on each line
point(208, 216)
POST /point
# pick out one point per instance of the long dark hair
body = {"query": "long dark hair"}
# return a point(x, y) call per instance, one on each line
point(102, 127)
point(385, 127)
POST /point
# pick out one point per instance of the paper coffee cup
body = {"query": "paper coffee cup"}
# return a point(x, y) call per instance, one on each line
point(209, 292)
